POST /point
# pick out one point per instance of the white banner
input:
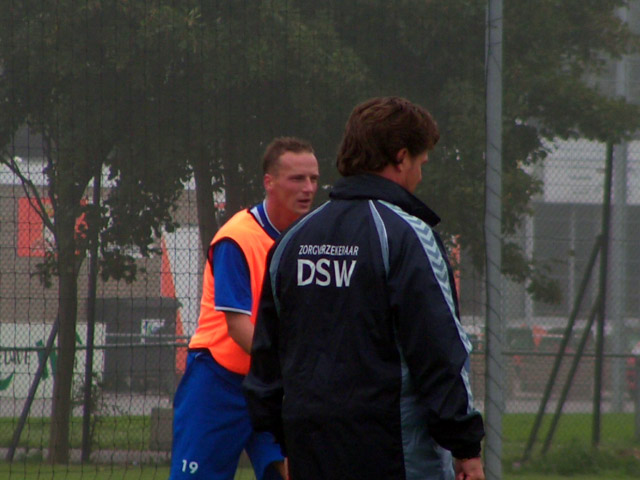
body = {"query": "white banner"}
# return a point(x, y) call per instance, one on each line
point(19, 358)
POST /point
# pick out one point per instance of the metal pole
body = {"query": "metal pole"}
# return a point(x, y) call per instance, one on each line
point(569, 380)
point(616, 306)
point(91, 319)
point(617, 275)
point(494, 401)
point(602, 294)
point(597, 246)
point(636, 396)
point(32, 390)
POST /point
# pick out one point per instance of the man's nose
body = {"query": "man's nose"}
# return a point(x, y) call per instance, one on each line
point(308, 185)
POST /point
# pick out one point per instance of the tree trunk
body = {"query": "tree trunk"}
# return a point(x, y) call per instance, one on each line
point(233, 192)
point(67, 309)
point(207, 225)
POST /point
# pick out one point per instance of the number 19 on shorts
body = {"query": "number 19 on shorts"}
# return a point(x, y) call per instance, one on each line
point(191, 467)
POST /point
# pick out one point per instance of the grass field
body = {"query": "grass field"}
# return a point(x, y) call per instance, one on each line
point(134, 432)
point(92, 472)
point(42, 472)
point(109, 433)
point(617, 431)
point(570, 453)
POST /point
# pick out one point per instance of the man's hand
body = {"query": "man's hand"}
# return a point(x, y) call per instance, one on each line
point(282, 468)
point(469, 469)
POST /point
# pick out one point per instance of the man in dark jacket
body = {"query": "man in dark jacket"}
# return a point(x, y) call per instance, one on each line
point(359, 361)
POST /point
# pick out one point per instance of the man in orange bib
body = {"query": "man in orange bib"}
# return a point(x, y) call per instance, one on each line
point(211, 423)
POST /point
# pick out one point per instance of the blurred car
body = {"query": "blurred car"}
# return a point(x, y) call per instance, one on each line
point(631, 368)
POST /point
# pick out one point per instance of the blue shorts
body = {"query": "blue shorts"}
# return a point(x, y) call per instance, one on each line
point(211, 426)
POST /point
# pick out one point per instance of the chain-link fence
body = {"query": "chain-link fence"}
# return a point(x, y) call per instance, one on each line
point(550, 352)
point(130, 130)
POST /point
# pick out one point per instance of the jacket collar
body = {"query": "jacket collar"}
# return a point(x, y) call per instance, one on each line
point(375, 187)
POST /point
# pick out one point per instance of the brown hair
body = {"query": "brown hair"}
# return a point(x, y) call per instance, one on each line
point(278, 147)
point(378, 129)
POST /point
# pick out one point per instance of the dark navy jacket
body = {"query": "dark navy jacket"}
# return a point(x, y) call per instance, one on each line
point(358, 359)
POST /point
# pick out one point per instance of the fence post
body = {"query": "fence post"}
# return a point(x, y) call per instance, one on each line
point(32, 390)
point(636, 396)
point(604, 257)
point(494, 390)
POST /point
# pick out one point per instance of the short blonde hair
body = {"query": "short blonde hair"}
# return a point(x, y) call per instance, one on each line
point(278, 147)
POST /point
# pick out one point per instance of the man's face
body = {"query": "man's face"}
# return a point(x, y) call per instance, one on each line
point(293, 184)
point(413, 170)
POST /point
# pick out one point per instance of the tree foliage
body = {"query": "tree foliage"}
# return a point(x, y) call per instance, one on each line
point(75, 73)
point(239, 75)
point(433, 52)
point(261, 69)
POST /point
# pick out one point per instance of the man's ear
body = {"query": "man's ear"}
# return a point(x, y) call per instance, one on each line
point(400, 157)
point(267, 181)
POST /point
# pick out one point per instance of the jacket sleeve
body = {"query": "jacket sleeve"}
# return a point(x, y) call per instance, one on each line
point(432, 341)
point(263, 384)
